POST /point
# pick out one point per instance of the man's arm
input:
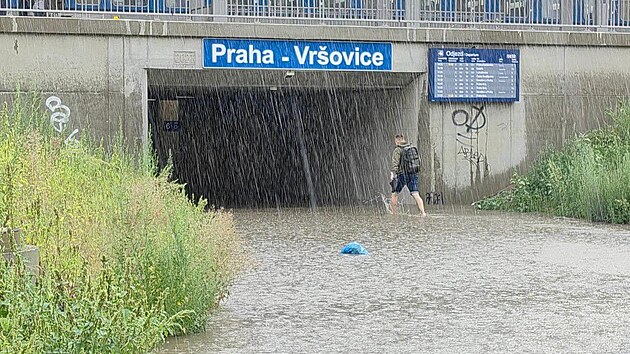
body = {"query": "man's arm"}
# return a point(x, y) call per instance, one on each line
point(395, 162)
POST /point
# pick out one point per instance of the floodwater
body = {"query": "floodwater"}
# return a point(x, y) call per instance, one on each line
point(456, 281)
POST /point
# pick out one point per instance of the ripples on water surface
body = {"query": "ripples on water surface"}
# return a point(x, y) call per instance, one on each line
point(457, 281)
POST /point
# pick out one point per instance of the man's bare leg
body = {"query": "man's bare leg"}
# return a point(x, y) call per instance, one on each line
point(394, 203)
point(419, 202)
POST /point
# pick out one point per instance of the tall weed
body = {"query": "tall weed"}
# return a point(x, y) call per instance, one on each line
point(126, 257)
point(589, 178)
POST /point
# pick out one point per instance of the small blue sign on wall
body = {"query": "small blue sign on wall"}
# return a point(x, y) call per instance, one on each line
point(474, 75)
point(172, 126)
point(305, 55)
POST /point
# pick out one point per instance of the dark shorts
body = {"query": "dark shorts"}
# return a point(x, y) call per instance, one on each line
point(402, 180)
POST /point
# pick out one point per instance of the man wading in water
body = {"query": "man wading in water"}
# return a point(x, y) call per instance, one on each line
point(404, 172)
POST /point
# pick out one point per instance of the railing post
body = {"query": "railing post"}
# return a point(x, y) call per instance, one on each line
point(383, 11)
point(412, 10)
point(220, 9)
point(566, 12)
point(602, 13)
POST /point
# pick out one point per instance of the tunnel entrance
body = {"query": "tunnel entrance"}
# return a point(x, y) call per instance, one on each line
point(258, 146)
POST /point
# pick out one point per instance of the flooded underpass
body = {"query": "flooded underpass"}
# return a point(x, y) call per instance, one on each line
point(280, 138)
point(251, 147)
point(456, 281)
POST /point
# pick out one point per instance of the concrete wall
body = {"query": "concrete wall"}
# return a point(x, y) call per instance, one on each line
point(564, 91)
point(99, 68)
point(101, 79)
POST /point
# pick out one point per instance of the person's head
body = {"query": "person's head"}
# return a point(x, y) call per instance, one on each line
point(399, 139)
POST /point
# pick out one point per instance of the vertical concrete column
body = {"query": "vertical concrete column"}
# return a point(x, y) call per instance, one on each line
point(420, 111)
point(442, 170)
point(566, 12)
point(115, 87)
point(220, 9)
point(144, 92)
point(135, 91)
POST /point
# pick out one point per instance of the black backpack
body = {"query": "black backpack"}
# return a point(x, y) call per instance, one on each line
point(409, 159)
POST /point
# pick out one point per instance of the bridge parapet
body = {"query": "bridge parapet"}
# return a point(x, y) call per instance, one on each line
point(544, 15)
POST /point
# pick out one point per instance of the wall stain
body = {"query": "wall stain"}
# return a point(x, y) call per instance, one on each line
point(16, 46)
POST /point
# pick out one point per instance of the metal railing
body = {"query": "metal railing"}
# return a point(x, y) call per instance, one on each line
point(533, 14)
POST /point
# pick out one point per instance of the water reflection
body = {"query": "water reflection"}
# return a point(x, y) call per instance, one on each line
point(455, 281)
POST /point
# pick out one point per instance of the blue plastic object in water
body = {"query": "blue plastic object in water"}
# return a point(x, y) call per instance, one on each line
point(353, 248)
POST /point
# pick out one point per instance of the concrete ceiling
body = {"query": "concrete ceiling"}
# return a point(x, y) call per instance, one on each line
point(194, 80)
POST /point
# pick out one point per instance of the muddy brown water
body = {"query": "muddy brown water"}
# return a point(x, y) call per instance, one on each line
point(456, 281)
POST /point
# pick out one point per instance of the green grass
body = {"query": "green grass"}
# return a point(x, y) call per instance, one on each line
point(126, 258)
point(589, 178)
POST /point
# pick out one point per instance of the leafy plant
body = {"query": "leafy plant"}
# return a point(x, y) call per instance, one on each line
point(589, 178)
point(126, 257)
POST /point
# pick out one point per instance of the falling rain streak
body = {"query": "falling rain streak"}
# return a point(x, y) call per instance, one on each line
point(289, 143)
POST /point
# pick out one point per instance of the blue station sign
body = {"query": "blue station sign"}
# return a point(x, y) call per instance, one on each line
point(474, 75)
point(303, 55)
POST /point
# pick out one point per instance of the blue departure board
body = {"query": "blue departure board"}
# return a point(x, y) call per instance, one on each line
point(473, 75)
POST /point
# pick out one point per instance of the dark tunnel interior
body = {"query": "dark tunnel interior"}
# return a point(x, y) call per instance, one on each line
point(257, 147)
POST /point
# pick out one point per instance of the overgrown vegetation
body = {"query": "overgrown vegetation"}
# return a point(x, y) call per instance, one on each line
point(126, 258)
point(589, 178)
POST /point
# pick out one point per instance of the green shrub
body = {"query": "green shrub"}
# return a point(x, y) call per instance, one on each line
point(126, 257)
point(589, 178)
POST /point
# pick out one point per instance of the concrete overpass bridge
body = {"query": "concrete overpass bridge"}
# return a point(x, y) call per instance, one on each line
point(259, 114)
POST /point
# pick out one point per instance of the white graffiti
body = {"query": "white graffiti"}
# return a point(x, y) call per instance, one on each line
point(71, 139)
point(60, 117)
point(60, 113)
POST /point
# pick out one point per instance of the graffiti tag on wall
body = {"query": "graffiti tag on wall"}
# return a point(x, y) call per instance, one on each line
point(469, 124)
point(471, 155)
point(60, 117)
point(473, 121)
